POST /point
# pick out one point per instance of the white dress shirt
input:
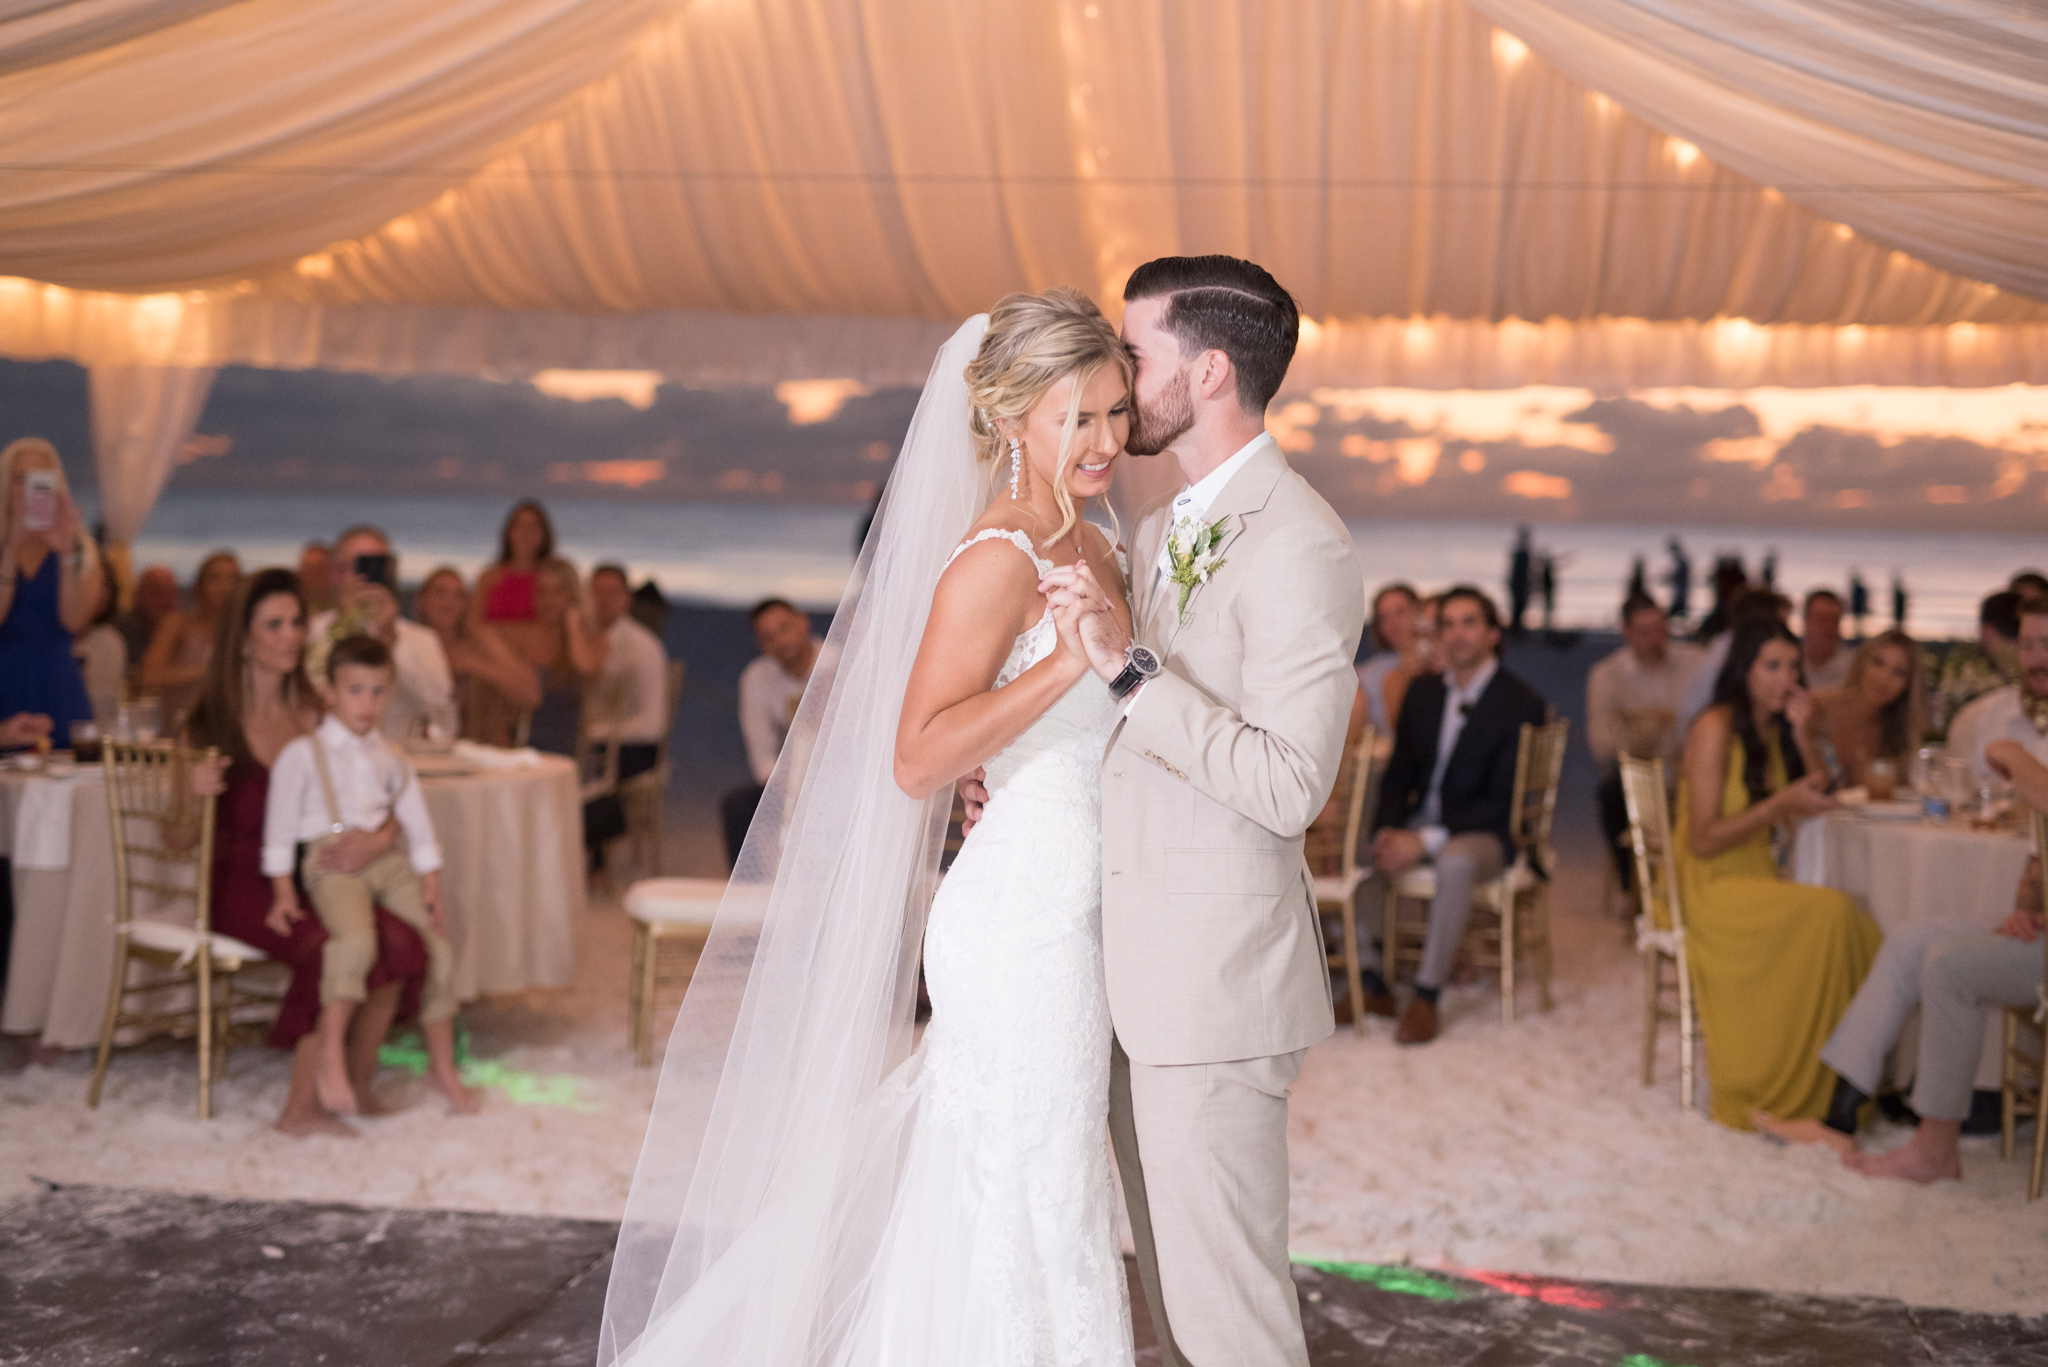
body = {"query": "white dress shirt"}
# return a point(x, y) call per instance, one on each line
point(1620, 685)
point(636, 654)
point(371, 784)
point(1995, 716)
point(425, 686)
point(1429, 821)
point(768, 698)
point(1833, 674)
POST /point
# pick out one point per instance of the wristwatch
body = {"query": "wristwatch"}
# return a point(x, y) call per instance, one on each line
point(1140, 664)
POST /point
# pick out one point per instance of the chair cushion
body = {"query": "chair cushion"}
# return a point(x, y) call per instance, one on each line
point(173, 938)
point(1418, 883)
point(685, 901)
point(1335, 887)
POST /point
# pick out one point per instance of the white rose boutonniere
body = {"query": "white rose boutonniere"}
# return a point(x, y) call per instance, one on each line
point(1191, 550)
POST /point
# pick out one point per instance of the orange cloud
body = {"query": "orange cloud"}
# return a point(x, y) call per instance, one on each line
point(1535, 484)
point(1947, 493)
point(816, 401)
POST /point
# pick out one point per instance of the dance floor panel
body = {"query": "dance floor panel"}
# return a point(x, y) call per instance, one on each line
point(92, 1275)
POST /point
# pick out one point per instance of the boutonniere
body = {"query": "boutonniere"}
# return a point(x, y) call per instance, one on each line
point(1191, 550)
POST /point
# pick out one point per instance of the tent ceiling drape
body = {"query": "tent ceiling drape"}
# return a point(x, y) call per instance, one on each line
point(760, 188)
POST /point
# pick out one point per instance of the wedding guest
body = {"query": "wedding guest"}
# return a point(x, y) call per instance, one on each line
point(478, 656)
point(1879, 712)
point(2028, 583)
point(1775, 963)
point(507, 592)
point(1970, 671)
point(344, 777)
point(1423, 657)
point(1951, 975)
point(155, 598)
point(2018, 711)
point(1632, 700)
point(317, 576)
point(174, 667)
point(102, 657)
point(770, 689)
point(257, 699)
point(634, 656)
point(564, 651)
point(51, 579)
point(1447, 795)
point(1827, 659)
point(424, 696)
point(1393, 634)
point(1757, 604)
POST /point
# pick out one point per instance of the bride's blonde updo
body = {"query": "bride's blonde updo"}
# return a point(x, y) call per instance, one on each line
point(1033, 342)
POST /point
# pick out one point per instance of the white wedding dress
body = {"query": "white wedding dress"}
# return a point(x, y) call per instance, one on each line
point(1002, 1247)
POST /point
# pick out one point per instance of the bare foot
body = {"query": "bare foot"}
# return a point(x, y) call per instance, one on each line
point(316, 1122)
point(1910, 1163)
point(331, 1085)
point(1804, 1132)
point(462, 1100)
point(370, 1103)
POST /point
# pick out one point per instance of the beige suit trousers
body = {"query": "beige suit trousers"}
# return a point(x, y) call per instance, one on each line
point(346, 904)
point(1202, 1148)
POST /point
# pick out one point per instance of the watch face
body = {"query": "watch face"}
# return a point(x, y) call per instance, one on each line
point(1144, 661)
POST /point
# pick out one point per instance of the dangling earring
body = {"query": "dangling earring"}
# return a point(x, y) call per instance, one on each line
point(1016, 465)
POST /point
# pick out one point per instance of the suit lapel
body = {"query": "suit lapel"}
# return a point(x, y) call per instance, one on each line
point(1244, 496)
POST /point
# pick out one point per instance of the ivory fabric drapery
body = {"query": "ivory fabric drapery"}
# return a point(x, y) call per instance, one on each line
point(1923, 123)
point(141, 415)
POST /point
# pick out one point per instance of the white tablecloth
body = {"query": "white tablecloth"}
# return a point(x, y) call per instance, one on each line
point(511, 841)
point(1905, 871)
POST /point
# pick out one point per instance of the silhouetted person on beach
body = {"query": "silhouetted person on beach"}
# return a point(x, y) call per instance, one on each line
point(1638, 581)
point(1546, 586)
point(1680, 580)
point(1768, 571)
point(1899, 603)
point(1519, 579)
point(1730, 582)
point(1859, 601)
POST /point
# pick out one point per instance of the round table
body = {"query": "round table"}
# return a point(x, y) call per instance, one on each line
point(1912, 870)
point(511, 837)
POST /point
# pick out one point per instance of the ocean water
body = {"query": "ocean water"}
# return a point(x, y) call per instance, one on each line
point(730, 555)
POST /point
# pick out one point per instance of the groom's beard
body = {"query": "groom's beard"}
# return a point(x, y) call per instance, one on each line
point(1156, 428)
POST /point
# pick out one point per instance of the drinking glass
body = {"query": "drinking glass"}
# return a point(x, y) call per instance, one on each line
point(85, 742)
point(1926, 762)
point(148, 717)
point(1880, 778)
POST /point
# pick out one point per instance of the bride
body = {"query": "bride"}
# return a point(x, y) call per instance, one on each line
point(813, 1191)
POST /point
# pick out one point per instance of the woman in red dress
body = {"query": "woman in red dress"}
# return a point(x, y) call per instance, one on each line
point(256, 699)
point(504, 594)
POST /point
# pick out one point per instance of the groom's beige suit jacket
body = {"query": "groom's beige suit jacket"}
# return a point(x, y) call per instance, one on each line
point(1212, 945)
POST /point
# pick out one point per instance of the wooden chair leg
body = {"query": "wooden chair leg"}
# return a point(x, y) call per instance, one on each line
point(1687, 1030)
point(1354, 977)
point(2008, 1090)
point(633, 993)
point(205, 989)
point(2040, 1126)
point(650, 961)
point(1653, 992)
point(1509, 931)
point(107, 1023)
point(1539, 925)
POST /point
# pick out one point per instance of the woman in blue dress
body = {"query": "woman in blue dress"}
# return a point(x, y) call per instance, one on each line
point(51, 580)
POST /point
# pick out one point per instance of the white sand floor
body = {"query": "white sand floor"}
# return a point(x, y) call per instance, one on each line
point(1529, 1148)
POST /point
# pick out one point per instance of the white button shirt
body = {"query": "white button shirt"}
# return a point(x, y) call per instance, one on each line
point(1995, 716)
point(636, 653)
point(371, 784)
point(425, 687)
point(1429, 822)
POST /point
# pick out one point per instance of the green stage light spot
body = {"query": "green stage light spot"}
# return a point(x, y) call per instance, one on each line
point(1644, 1360)
point(520, 1088)
point(1402, 1281)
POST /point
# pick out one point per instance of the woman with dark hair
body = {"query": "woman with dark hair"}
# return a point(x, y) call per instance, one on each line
point(1775, 963)
point(175, 665)
point(1879, 712)
point(256, 698)
point(505, 591)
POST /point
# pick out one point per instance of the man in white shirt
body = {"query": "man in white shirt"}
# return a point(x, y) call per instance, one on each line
point(635, 660)
point(1632, 702)
point(1699, 689)
point(2018, 711)
point(770, 689)
point(1827, 659)
point(423, 694)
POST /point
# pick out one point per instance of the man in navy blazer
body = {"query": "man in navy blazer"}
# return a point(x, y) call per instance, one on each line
point(1447, 795)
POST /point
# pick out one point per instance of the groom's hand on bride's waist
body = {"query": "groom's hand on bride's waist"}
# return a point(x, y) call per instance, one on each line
point(972, 795)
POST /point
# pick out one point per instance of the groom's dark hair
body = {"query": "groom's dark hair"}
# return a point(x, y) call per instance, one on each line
point(1220, 303)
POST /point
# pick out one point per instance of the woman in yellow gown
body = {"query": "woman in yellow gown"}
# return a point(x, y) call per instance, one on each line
point(1774, 963)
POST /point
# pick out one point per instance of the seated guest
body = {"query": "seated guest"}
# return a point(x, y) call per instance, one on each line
point(634, 656)
point(102, 658)
point(2018, 711)
point(316, 576)
point(1880, 712)
point(770, 689)
point(1970, 671)
point(2028, 583)
point(255, 701)
point(1448, 792)
point(1826, 658)
point(424, 691)
point(174, 667)
point(1775, 963)
point(1952, 976)
point(1395, 638)
point(506, 592)
point(156, 597)
point(478, 657)
point(50, 579)
point(1632, 709)
point(564, 651)
point(1761, 604)
point(1421, 659)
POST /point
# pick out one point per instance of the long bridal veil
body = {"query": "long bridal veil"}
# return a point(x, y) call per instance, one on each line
point(763, 1184)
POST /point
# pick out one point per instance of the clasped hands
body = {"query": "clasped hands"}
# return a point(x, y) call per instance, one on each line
point(1090, 632)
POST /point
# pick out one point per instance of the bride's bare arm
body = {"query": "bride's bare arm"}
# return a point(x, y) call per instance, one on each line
point(954, 718)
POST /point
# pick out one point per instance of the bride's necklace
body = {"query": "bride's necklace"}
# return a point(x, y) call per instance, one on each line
point(1074, 539)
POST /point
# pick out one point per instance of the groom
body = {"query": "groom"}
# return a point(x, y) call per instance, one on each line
point(1248, 602)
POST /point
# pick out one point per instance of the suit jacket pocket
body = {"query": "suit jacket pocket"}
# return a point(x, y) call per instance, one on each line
point(1239, 871)
point(1199, 623)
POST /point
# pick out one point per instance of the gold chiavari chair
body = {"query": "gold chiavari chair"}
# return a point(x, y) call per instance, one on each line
point(2023, 1085)
point(1511, 914)
point(153, 813)
point(672, 914)
point(642, 793)
point(1660, 927)
point(1337, 894)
